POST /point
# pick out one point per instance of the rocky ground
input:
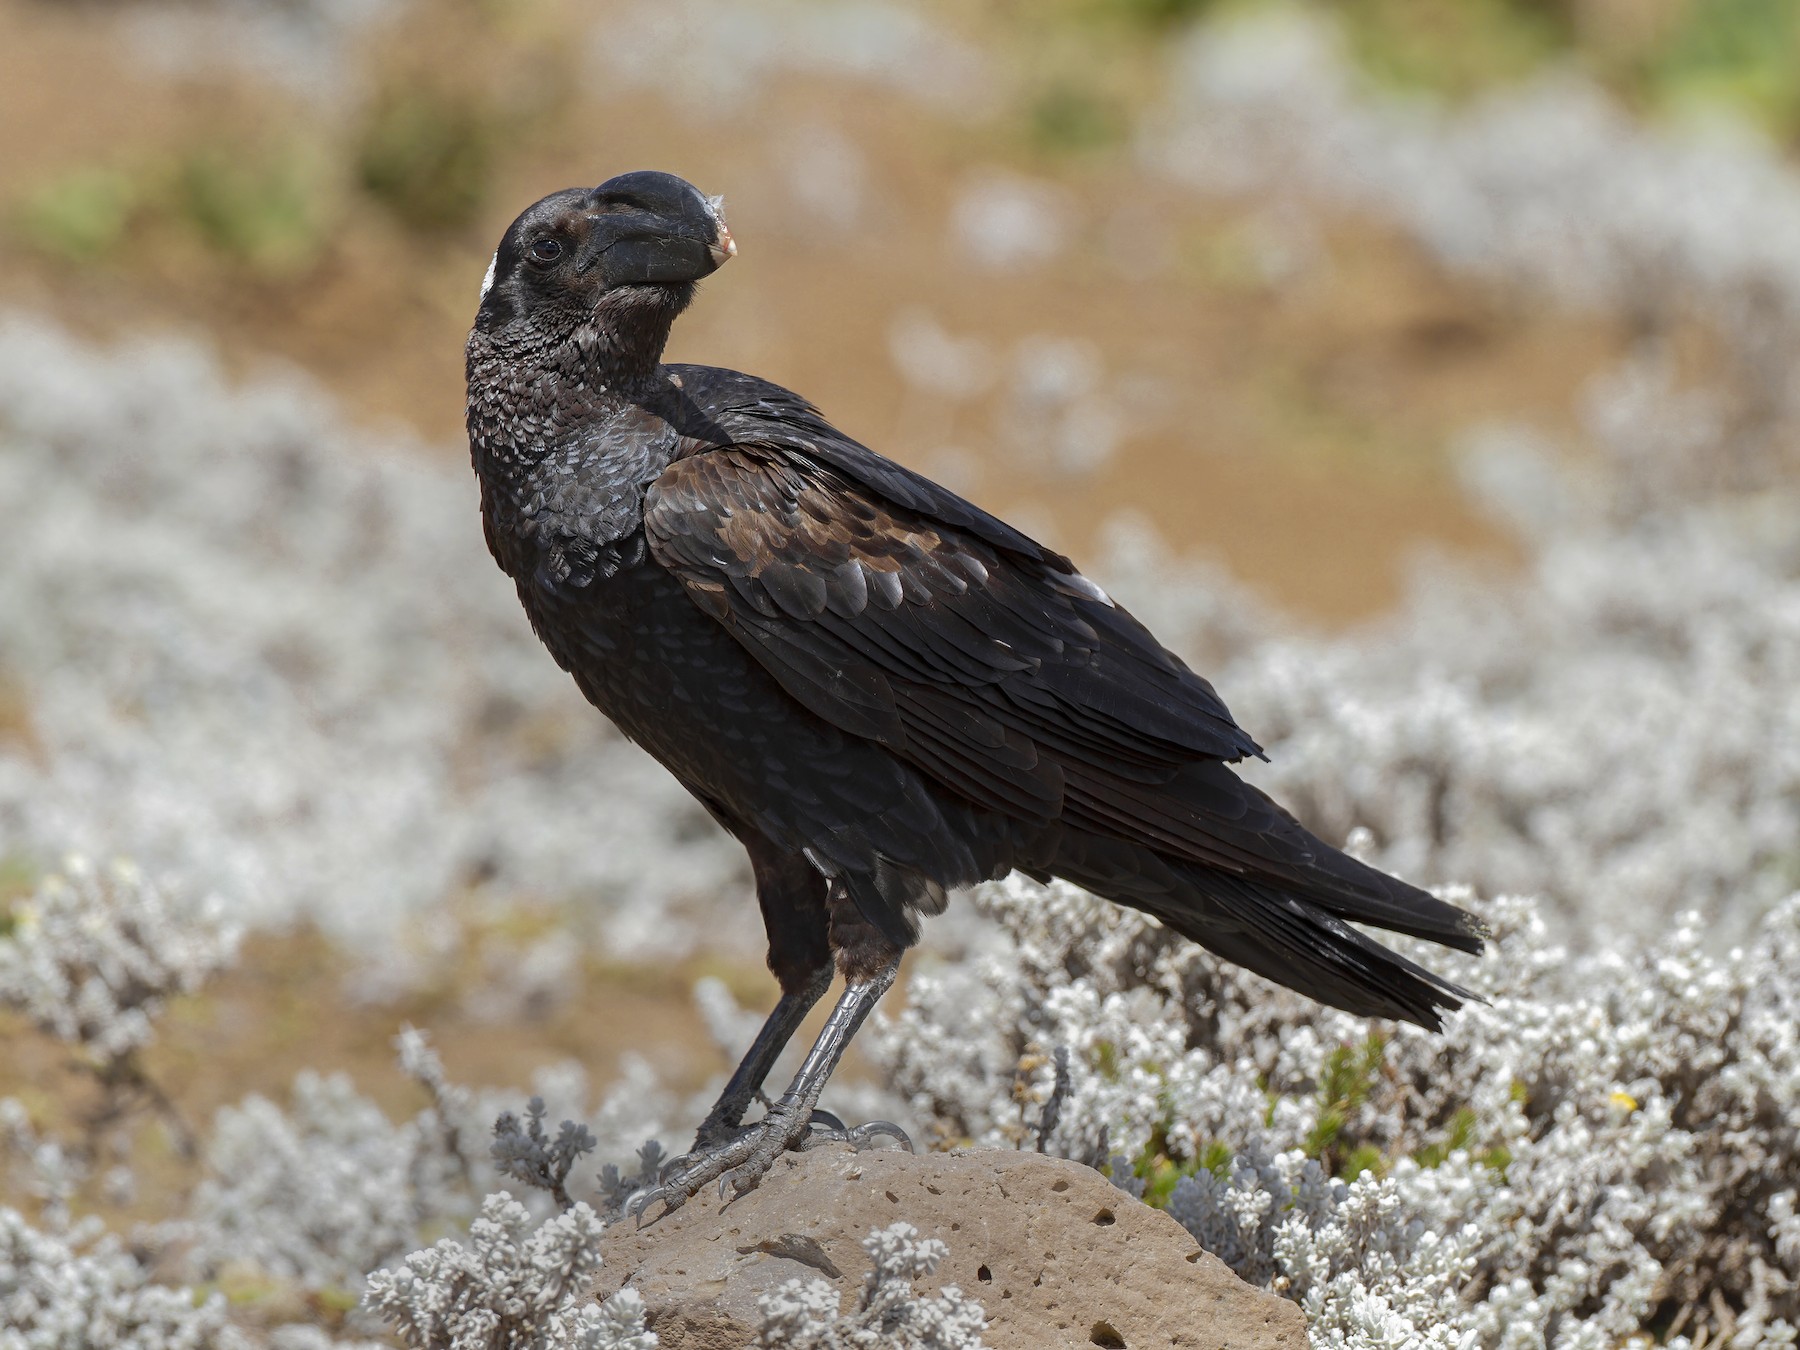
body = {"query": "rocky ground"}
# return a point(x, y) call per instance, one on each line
point(1059, 1257)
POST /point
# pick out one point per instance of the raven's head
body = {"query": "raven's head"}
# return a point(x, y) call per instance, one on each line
point(630, 250)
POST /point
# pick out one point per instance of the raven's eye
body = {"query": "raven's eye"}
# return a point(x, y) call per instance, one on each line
point(546, 251)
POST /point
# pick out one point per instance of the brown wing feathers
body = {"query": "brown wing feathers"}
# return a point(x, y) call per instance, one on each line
point(863, 610)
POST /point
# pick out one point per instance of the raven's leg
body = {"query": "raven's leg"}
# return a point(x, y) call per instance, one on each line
point(742, 1161)
point(793, 897)
point(747, 1080)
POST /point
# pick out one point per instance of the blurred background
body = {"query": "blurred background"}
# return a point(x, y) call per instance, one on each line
point(1272, 312)
point(971, 231)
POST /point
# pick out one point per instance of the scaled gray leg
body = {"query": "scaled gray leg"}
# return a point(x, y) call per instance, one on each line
point(742, 1160)
point(747, 1079)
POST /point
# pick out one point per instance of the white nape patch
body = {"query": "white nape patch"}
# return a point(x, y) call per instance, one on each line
point(487, 282)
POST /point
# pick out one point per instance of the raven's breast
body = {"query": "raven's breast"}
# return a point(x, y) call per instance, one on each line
point(674, 680)
point(666, 674)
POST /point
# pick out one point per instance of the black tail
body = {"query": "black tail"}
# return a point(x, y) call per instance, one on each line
point(1246, 881)
point(1298, 942)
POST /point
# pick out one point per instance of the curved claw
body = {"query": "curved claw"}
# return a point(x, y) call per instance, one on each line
point(832, 1125)
point(865, 1135)
point(671, 1198)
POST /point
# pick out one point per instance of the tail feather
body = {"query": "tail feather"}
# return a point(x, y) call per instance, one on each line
point(1353, 890)
point(1284, 938)
point(1288, 924)
point(1207, 822)
point(1280, 852)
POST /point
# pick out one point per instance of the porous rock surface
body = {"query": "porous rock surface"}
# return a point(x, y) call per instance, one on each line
point(1057, 1255)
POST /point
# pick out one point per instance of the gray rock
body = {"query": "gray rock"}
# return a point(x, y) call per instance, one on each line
point(1055, 1253)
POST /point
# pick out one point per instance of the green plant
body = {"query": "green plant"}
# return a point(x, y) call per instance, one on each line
point(1459, 1134)
point(263, 208)
point(1455, 46)
point(80, 215)
point(19, 877)
point(426, 154)
point(1154, 13)
point(1160, 1173)
point(1349, 1074)
point(1745, 53)
point(1066, 117)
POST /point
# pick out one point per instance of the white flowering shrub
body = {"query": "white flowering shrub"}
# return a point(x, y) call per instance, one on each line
point(316, 1197)
point(83, 1288)
point(317, 1193)
point(327, 1188)
point(1605, 1141)
point(1005, 222)
point(1614, 733)
point(310, 1197)
point(294, 679)
point(807, 1314)
point(94, 955)
point(46, 1169)
point(515, 1285)
point(727, 53)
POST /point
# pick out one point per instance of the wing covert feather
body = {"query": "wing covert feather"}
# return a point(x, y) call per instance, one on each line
point(1005, 677)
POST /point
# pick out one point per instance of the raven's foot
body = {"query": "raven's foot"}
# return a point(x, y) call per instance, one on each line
point(739, 1162)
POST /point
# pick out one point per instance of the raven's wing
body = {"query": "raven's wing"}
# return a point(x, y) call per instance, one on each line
point(995, 669)
point(899, 612)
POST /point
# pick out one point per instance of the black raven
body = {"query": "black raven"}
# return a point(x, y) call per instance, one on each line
point(882, 691)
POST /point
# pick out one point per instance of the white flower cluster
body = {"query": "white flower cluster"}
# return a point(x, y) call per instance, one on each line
point(521, 1283)
point(517, 1284)
point(807, 1315)
point(82, 1288)
point(318, 1193)
point(1607, 1139)
point(46, 1170)
point(1005, 222)
point(1363, 1260)
point(271, 661)
point(1057, 408)
point(94, 955)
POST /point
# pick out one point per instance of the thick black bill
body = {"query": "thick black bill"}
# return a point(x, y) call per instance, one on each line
point(655, 229)
point(658, 261)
